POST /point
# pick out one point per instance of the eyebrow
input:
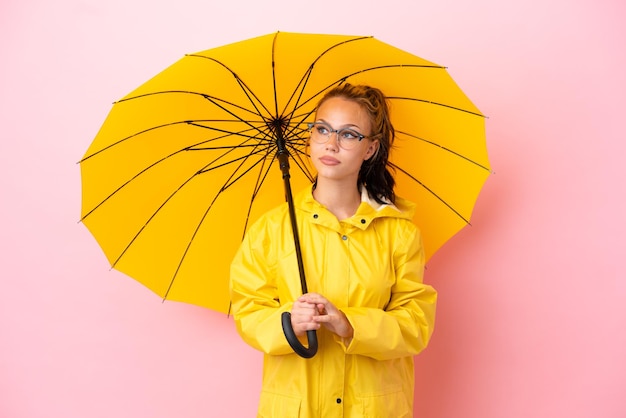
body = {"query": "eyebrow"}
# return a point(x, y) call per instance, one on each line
point(350, 125)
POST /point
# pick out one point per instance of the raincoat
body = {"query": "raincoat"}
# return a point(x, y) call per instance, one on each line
point(370, 267)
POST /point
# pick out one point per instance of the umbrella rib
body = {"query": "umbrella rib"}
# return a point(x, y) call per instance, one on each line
point(290, 144)
point(151, 217)
point(274, 74)
point(239, 118)
point(128, 138)
point(216, 100)
point(297, 153)
point(263, 173)
point(194, 93)
point(244, 87)
point(435, 103)
point(445, 149)
point(242, 159)
point(300, 164)
point(226, 184)
point(232, 133)
point(430, 191)
point(188, 122)
point(380, 67)
point(298, 105)
point(189, 148)
point(306, 76)
point(130, 243)
point(296, 156)
point(303, 80)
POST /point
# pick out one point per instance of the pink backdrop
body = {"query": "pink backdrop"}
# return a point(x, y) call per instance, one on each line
point(531, 316)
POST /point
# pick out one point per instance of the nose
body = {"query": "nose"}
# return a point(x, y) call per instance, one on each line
point(333, 140)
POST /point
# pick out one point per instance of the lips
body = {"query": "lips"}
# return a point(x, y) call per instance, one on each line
point(327, 160)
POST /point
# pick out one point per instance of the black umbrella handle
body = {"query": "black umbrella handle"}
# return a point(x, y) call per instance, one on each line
point(292, 339)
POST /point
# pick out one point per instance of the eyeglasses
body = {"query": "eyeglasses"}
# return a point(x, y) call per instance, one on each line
point(346, 138)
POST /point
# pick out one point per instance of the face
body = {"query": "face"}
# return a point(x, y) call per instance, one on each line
point(332, 161)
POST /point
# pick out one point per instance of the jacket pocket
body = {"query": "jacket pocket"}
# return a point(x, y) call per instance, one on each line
point(275, 405)
point(389, 404)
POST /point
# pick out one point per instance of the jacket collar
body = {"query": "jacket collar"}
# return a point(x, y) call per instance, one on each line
point(365, 214)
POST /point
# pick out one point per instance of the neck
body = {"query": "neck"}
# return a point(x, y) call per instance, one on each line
point(342, 199)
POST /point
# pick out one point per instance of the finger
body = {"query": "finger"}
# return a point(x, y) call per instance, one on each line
point(307, 326)
point(304, 307)
point(302, 301)
point(322, 318)
point(314, 298)
point(322, 309)
point(301, 329)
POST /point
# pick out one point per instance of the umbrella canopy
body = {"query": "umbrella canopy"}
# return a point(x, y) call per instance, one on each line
point(183, 164)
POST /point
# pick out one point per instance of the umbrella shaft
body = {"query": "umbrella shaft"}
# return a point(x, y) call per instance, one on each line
point(292, 339)
point(283, 160)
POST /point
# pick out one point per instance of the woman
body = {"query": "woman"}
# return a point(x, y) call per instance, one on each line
point(364, 267)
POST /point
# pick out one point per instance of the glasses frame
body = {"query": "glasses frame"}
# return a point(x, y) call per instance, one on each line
point(359, 135)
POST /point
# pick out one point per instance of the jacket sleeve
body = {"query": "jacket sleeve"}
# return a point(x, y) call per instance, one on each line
point(405, 325)
point(254, 295)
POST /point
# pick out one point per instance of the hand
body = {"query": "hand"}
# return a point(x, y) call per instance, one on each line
point(320, 311)
point(302, 314)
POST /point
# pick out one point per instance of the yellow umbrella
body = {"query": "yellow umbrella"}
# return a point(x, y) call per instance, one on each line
point(183, 164)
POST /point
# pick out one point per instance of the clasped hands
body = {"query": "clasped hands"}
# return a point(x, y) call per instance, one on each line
point(311, 311)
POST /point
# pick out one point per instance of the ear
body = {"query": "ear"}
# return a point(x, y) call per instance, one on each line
point(372, 149)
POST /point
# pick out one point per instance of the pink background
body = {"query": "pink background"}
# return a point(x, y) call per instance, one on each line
point(532, 306)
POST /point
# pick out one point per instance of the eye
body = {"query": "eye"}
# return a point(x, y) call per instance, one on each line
point(321, 129)
point(349, 134)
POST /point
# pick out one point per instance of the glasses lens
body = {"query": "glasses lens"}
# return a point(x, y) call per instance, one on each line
point(346, 138)
point(319, 133)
